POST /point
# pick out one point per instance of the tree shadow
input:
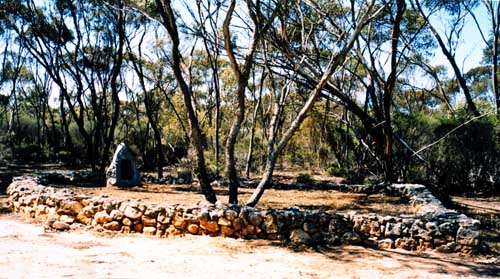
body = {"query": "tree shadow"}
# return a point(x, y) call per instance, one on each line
point(434, 263)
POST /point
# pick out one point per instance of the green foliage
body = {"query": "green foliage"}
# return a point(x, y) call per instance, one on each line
point(465, 160)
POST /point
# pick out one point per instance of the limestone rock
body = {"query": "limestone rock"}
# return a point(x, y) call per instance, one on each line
point(127, 222)
point(299, 236)
point(117, 215)
point(122, 171)
point(58, 225)
point(209, 226)
point(351, 238)
point(112, 226)
point(193, 228)
point(230, 214)
point(393, 230)
point(132, 213)
point(179, 223)
point(148, 221)
point(224, 222)
point(468, 236)
point(226, 231)
point(238, 223)
point(70, 208)
point(255, 219)
point(138, 227)
point(67, 219)
point(386, 243)
point(102, 217)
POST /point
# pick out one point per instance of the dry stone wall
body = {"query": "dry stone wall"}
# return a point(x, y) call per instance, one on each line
point(434, 227)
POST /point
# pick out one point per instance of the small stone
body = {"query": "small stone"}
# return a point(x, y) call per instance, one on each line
point(224, 222)
point(58, 225)
point(255, 219)
point(67, 219)
point(193, 228)
point(431, 226)
point(179, 223)
point(138, 227)
point(250, 230)
point(226, 231)
point(393, 230)
point(386, 243)
point(102, 217)
point(112, 226)
point(467, 236)
point(149, 230)
point(238, 223)
point(127, 222)
point(210, 226)
point(117, 215)
point(230, 214)
point(83, 219)
point(446, 228)
point(351, 238)
point(70, 208)
point(299, 236)
point(310, 228)
point(125, 229)
point(132, 213)
point(148, 221)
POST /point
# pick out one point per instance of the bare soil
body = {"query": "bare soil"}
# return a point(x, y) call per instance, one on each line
point(487, 210)
point(27, 251)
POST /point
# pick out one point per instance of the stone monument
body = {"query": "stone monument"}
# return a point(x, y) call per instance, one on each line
point(122, 171)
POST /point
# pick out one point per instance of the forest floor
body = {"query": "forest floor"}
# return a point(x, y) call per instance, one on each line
point(27, 251)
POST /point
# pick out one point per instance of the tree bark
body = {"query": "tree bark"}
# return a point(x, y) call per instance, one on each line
point(169, 23)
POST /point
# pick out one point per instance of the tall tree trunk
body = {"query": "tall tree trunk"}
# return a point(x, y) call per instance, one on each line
point(169, 23)
point(116, 71)
point(389, 91)
point(242, 74)
point(252, 131)
point(68, 142)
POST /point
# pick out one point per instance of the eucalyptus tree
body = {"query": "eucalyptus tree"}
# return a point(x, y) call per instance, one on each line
point(145, 72)
point(314, 48)
point(169, 20)
point(491, 37)
point(448, 42)
point(262, 17)
point(80, 46)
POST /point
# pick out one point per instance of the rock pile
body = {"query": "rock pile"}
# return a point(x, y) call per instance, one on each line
point(61, 209)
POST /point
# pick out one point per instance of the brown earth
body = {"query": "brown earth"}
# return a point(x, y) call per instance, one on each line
point(27, 251)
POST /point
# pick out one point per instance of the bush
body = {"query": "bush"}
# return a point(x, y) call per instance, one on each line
point(464, 161)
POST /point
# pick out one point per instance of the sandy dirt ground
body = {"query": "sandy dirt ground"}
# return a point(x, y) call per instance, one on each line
point(27, 251)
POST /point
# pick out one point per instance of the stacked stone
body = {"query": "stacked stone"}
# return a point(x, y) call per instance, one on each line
point(61, 209)
point(452, 234)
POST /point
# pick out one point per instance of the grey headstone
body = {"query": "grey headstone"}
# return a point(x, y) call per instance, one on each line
point(122, 171)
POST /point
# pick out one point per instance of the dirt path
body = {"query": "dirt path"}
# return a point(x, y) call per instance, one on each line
point(26, 251)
